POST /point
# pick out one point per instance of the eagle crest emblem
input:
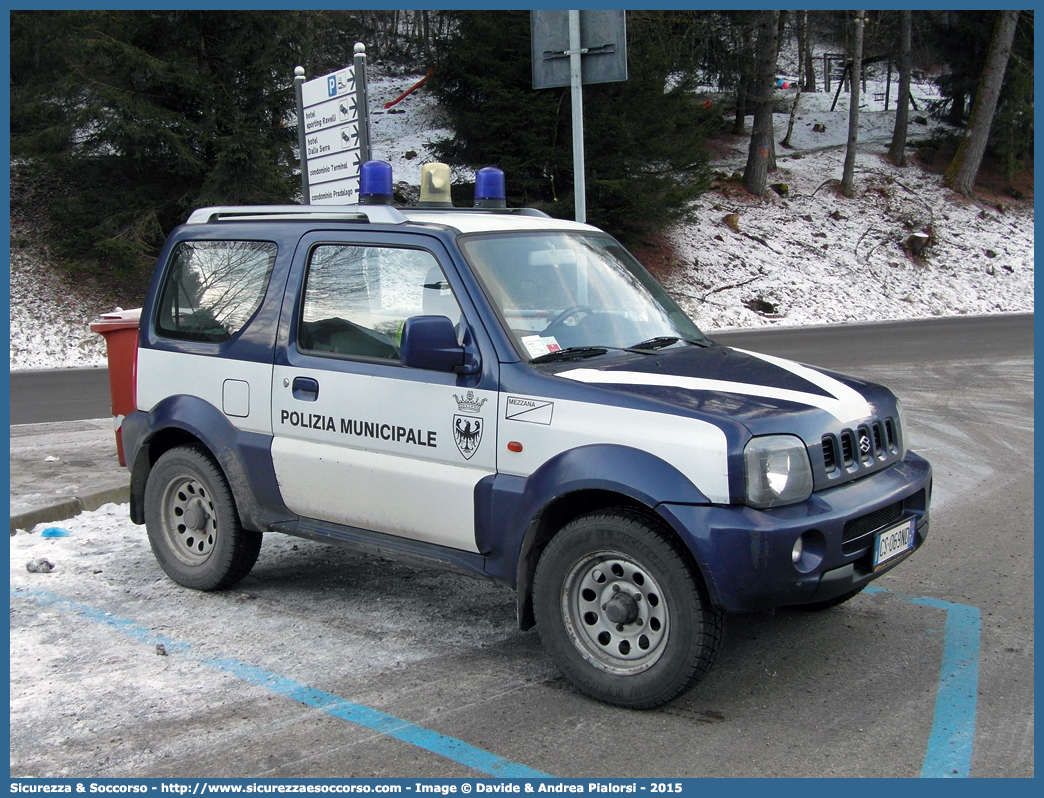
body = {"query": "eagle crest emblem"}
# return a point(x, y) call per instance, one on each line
point(467, 429)
point(467, 432)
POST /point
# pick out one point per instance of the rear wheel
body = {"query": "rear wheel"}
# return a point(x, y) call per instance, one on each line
point(193, 527)
point(622, 612)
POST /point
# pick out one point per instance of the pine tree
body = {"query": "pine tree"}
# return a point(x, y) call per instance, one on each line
point(964, 168)
point(152, 113)
point(961, 40)
point(644, 137)
point(484, 82)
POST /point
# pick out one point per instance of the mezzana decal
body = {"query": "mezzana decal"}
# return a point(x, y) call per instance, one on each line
point(467, 429)
point(360, 429)
point(532, 411)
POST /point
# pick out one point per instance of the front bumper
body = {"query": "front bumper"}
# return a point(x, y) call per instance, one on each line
point(745, 557)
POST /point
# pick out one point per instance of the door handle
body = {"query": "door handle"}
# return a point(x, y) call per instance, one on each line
point(306, 389)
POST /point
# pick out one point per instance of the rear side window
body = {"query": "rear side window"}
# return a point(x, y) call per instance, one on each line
point(213, 288)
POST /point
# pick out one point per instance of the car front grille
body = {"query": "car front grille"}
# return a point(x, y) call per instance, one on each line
point(851, 453)
point(855, 532)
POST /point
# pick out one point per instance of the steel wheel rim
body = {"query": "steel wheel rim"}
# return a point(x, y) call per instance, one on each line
point(189, 520)
point(598, 589)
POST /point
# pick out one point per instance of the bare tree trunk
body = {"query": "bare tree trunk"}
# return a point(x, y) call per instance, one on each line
point(963, 169)
point(848, 175)
point(759, 156)
point(793, 115)
point(846, 77)
point(780, 30)
point(743, 92)
point(739, 124)
point(897, 150)
point(799, 33)
point(808, 79)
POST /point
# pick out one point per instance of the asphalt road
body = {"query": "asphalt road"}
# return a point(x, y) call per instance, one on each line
point(930, 674)
point(71, 394)
point(882, 344)
point(41, 395)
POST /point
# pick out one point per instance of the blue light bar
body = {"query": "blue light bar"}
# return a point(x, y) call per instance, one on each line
point(489, 188)
point(375, 183)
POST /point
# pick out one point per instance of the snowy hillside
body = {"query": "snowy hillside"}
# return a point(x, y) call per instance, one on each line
point(810, 256)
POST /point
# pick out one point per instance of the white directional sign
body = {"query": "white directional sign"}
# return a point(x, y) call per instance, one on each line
point(331, 126)
point(330, 113)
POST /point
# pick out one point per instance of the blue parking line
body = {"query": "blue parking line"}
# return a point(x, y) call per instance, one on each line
point(369, 718)
point(948, 753)
point(950, 744)
point(358, 714)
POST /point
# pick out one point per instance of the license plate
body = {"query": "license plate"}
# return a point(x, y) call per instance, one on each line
point(892, 542)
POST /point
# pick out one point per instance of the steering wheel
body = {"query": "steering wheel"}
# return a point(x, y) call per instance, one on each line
point(568, 313)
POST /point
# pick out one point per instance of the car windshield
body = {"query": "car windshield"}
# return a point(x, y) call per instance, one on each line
point(557, 290)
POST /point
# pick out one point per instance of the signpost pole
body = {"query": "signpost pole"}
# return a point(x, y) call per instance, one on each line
point(361, 102)
point(571, 48)
point(299, 79)
point(577, 96)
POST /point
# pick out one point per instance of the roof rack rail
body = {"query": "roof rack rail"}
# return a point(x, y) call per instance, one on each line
point(508, 211)
point(375, 214)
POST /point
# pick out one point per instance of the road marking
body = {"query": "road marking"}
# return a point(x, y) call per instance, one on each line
point(950, 744)
point(948, 753)
point(449, 747)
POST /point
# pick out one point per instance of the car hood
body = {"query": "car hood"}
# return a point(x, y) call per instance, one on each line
point(754, 389)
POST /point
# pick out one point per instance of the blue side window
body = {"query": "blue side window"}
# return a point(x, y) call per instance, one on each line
point(213, 288)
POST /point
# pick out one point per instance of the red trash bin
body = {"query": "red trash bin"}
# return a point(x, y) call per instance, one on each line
point(120, 331)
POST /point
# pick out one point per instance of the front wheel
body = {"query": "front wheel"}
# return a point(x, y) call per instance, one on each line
point(192, 523)
point(622, 612)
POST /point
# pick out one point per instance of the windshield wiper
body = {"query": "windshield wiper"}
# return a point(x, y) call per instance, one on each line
point(571, 352)
point(661, 341)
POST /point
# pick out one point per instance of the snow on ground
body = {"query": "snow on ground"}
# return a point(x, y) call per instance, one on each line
point(815, 257)
point(401, 134)
point(50, 321)
point(811, 257)
point(101, 555)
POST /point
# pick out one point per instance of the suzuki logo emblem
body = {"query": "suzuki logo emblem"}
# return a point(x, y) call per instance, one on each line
point(864, 443)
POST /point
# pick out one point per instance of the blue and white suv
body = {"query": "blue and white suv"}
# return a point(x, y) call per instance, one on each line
point(511, 396)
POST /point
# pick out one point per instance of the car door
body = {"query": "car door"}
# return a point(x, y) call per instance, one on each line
point(359, 439)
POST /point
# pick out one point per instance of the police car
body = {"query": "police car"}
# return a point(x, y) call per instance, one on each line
point(511, 396)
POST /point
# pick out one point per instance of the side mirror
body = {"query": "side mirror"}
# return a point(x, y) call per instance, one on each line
point(430, 342)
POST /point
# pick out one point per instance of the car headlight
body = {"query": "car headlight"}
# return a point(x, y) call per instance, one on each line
point(778, 471)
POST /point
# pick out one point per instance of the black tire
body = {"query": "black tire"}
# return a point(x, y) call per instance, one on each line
point(622, 612)
point(817, 606)
point(193, 526)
